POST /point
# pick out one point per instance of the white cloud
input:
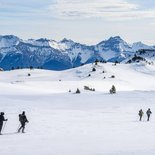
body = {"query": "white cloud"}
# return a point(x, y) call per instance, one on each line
point(130, 15)
point(107, 9)
point(150, 42)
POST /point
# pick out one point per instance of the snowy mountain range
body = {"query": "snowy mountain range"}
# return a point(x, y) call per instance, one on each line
point(65, 54)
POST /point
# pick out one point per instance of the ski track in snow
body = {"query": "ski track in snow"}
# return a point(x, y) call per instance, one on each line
point(90, 123)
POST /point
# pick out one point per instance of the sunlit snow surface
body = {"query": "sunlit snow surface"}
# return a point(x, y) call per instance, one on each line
point(90, 123)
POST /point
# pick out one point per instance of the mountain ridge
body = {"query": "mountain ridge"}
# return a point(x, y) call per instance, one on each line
point(64, 54)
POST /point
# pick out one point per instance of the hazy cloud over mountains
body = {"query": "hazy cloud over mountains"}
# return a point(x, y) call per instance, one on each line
point(132, 19)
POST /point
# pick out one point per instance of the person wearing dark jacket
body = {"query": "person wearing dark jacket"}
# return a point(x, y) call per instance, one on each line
point(23, 120)
point(2, 119)
point(140, 114)
point(148, 112)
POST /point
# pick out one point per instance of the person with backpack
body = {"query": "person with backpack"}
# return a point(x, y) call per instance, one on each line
point(140, 114)
point(23, 120)
point(2, 119)
point(148, 112)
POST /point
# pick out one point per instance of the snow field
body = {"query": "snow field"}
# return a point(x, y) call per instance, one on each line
point(79, 124)
point(90, 123)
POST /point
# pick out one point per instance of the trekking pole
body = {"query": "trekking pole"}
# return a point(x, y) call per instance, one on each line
point(18, 127)
point(4, 126)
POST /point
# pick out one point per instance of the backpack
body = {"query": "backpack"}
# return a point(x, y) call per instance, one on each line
point(20, 118)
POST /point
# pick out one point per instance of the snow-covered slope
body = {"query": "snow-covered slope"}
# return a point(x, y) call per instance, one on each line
point(8, 41)
point(101, 79)
point(139, 45)
point(143, 55)
point(90, 123)
point(65, 54)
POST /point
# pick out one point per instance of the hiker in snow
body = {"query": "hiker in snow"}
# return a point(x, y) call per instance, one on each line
point(23, 120)
point(140, 114)
point(2, 119)
point(148, 112)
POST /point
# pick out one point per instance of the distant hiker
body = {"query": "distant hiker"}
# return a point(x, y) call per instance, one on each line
point(148, 112)
point(23, 120)
point(140, 114)
point(2, 119)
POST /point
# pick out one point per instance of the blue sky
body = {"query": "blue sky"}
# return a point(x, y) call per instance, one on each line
point(85, 21)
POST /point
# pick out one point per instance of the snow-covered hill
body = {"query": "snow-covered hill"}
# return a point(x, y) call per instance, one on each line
point(102, 79)
point(65, 54)
point(89, 123)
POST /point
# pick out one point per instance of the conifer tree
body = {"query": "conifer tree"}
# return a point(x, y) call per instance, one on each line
point(77, 91)
point(113, 90)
